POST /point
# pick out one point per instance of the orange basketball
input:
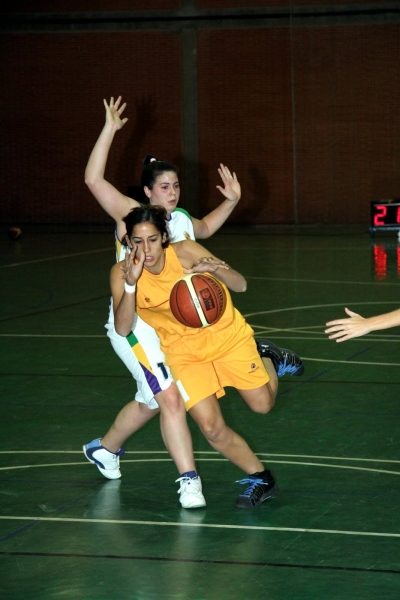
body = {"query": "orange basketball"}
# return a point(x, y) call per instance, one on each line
point(197, 300)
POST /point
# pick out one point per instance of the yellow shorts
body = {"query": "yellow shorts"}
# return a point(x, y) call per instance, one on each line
point(242, 369)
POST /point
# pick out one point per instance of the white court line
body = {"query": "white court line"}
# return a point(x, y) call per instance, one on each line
point(366, 339)
point(307, 328)
point(351, 362)
point(313, 306)
point(205, 525)
point(49, 335)
point(316, 457)
point(40, 260)
point(143, 460)
point(294, 280)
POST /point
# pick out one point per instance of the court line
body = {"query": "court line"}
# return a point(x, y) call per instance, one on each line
point(350, 362)
point(396, 339)
point(260, 329)
point(314, 456)
point(48, 258)
point(204, 525)
point(279, 334)
point(294, 280)
point(198, 459)
point(312, 306)
point(50, 335)
point(310, 329)
point(168, 559)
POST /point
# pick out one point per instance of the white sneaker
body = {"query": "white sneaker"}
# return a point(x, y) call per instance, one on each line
point(190, 492)
point(106, 462)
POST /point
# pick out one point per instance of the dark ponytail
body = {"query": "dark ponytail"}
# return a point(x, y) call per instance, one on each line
point(153, 168)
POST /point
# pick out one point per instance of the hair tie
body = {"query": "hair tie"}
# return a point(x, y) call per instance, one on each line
point(153, 160)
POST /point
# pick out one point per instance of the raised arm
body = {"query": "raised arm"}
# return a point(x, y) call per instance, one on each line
point(123, 278)
point(356, 325)
point(116, 204)
point(197, 259)
point(208, 225)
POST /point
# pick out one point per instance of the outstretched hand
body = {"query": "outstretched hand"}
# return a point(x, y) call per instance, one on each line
point(345, 329)
point(207, 264)
point(114, 111)
point(231, 190)
point(132, 267)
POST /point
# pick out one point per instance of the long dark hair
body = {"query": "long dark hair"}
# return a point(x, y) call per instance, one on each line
point(156, 215)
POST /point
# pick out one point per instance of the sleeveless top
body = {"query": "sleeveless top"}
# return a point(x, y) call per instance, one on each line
point(181, 344)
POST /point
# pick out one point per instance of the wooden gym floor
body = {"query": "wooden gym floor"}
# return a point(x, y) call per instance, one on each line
point(332, 440)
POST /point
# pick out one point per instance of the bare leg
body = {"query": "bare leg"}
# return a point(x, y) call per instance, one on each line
point(273, 377)
point(129, 420)
point(260, 400)
point(174, 429)
point(222, 438)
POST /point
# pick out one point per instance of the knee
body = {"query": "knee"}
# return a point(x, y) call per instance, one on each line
point(212, 430)
point(171, 401)
point(263, 405)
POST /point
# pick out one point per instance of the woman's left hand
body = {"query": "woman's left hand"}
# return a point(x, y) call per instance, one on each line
point(231, 190)
point(207, 264)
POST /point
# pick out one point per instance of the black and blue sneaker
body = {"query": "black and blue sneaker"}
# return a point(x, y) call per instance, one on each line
point(261, 486)
point(286, 362)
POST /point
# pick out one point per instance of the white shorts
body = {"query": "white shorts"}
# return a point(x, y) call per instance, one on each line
point(141, 353)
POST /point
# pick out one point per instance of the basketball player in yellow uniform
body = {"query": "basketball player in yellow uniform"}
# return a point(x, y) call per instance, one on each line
point(202, 361)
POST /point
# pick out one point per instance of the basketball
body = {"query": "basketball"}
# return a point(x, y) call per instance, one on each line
point(197, 300)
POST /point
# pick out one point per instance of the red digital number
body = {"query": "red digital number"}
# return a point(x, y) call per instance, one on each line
point(382, 215)
point(398, 215)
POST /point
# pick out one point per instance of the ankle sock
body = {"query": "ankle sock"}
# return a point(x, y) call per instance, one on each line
point(264, 475)
point(190, 474)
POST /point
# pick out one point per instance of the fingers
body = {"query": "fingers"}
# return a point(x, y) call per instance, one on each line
point(208, 264)
point(351, 313)
point(224, 173)
point(337, 326)
point(115, 106)
point(337, 322)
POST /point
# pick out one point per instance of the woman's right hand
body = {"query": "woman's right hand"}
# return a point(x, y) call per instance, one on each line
point(132, 267)
point(114, 111)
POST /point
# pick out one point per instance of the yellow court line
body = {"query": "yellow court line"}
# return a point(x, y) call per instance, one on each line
point(205, 525)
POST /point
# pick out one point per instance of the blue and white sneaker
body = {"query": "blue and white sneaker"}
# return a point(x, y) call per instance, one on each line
point(107, 462)
point(286, 362)
point(258, 490)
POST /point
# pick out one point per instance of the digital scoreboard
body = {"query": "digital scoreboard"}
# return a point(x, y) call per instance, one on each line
point(385, 215)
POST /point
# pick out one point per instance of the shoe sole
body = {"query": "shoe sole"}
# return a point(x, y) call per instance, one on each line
point(266, 496)
point(193, 505)
point(299, 372)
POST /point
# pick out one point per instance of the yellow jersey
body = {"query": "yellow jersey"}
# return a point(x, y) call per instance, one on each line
point(181, 344)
